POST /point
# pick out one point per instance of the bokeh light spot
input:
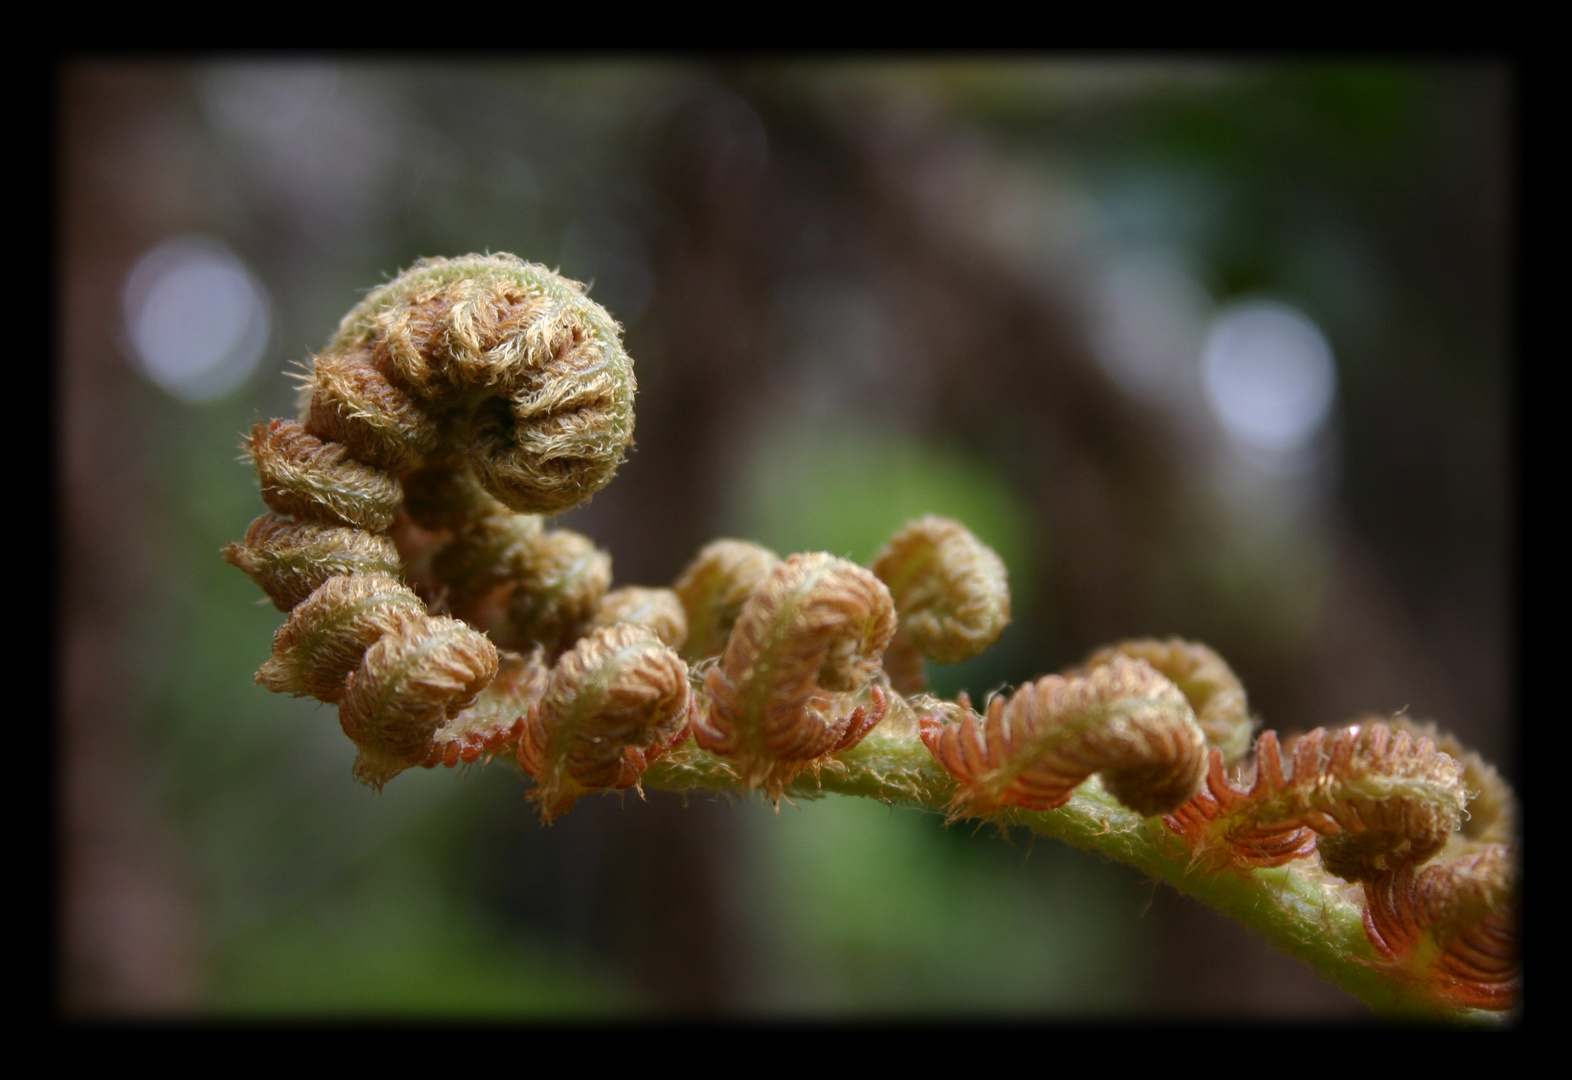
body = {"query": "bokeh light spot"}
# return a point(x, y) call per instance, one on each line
point(1269, 376)
point(196, 319)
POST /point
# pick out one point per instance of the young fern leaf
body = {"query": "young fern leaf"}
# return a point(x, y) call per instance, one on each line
point(951, 594)
point(485, 556)
point(519, 352)
point(1222, 823)
point(714, 587)
point(463, 400)
point(1491, 815)
point(305, 477)
point(349, 400)
point(562, 577)
point(805, 647)
point(410, 683)
point(1122, 719)
point(498, 390)
point(290, 560)
point(495, 721)
point(1376, 798)
point(1208, 683)
point(326, 636)
point(1451, 926)
point(658, 610)
point(443, 495)
point(614, 703)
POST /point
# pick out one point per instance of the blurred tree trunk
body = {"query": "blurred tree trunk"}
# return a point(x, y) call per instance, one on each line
point(126, 944)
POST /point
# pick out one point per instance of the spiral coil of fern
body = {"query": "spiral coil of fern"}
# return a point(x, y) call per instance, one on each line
point(500, 391)
point(465, 399)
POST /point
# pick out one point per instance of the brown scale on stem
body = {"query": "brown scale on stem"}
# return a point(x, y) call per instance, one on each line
point(1122, 719)
point(805, 647)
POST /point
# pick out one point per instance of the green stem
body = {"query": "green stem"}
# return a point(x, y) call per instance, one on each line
point(1298, 908)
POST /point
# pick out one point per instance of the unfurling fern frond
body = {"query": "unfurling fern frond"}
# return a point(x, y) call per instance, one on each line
point(467, 399)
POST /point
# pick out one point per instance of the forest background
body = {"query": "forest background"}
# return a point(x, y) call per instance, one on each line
point(1201, 348)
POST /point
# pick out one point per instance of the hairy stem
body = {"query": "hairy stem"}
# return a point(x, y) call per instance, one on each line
point(1299, 908)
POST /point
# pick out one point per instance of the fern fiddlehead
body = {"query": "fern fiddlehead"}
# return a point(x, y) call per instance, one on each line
point(500, 392)
point(463, 400)
point(807, 642)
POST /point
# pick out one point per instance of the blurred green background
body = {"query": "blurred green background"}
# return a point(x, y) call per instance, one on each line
point(1212, 349)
